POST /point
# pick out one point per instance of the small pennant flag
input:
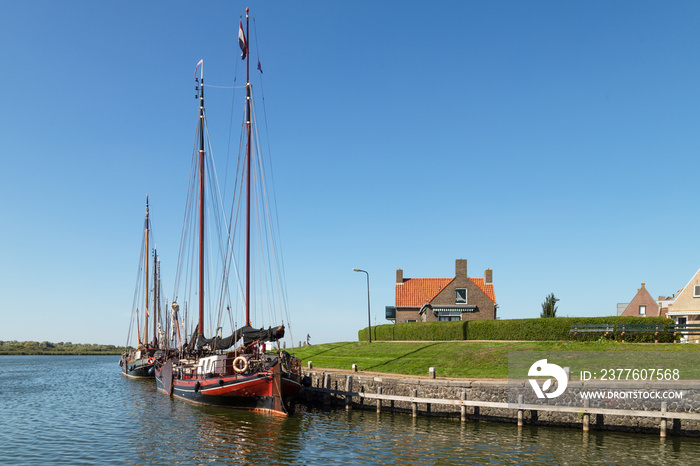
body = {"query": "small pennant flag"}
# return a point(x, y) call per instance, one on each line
point(196, 68)
point(241, 41)
point(259, 67)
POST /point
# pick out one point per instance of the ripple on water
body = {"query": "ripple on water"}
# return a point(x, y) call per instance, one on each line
point(81, 410)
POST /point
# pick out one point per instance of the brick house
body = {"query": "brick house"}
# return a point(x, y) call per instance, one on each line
point(642, 305)
point(442, 299)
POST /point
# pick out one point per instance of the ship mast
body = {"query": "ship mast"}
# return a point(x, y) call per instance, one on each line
point(145, 286)
point(155, 298)
point(200, 330)
point(247, 164)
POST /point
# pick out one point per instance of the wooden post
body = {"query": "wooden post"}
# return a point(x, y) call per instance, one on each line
point(586, 417)
point(662, 428)
point(476, 412)
point(379, 401)
point(311, 365)
point(354, 367)
point(533, 416)
point(676, 426)
point(520, 411)
point(463, 408)
point(348, 390)
point(414, 405)
point(599, 422)
point(327, 385)
point(431, 372)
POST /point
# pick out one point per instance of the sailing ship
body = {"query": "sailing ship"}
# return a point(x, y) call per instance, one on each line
point(140, 362)
point(213, 371)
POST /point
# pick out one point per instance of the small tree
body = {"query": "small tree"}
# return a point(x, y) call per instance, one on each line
point(549, 306)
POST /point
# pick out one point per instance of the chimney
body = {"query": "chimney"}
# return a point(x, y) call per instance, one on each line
point(488, 276)
point(399, 276)
point(461, 268)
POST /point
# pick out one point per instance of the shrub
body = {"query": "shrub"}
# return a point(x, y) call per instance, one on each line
point(536, 329)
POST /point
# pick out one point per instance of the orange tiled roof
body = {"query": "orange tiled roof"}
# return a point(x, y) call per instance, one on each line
point(415, 292)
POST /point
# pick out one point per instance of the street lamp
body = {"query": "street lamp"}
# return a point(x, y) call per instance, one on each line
point(369, 319)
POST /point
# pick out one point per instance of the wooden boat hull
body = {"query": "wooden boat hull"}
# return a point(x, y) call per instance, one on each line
point(265, 391)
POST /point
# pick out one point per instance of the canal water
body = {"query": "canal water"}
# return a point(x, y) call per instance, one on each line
point(81, 410)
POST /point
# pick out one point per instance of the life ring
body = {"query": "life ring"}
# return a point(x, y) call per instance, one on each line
point(151, 360)
point(240, 364)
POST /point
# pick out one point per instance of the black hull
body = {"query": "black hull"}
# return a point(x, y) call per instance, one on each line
point(140, 368)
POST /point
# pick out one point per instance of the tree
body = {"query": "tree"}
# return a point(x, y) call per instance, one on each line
point(549, 306)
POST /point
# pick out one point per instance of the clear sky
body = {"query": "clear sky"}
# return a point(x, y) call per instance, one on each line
point(554, 142)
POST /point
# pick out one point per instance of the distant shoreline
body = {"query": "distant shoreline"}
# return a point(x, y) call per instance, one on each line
point(45, 348)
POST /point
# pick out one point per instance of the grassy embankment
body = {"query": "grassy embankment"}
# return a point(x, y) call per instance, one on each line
point(454, 358)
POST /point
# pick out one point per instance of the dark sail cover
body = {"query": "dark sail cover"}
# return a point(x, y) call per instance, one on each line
point(248, 333)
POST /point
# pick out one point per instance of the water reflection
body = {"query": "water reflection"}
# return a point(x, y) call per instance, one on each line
point(95, 415)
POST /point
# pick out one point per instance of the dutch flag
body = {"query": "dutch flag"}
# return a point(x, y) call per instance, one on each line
point(241, 41)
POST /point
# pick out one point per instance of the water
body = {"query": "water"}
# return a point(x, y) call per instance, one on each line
point(81, 410)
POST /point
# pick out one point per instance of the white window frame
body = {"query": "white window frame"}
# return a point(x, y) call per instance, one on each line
point(465, 296)
point(696, 291)
point(642, 309)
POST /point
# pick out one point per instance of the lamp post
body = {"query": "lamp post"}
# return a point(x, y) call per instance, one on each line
point(369, 319)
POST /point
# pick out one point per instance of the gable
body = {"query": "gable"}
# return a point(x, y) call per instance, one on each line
point(687, 301)
point(642, 298)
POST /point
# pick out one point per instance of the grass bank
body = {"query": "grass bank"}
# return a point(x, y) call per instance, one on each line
point(466, 359)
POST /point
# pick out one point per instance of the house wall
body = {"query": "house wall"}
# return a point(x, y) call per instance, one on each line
point(475, 297)
point(642, 298)
point(686, 301)
point(403, 313)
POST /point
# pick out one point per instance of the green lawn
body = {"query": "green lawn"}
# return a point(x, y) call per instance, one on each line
point(454, 358)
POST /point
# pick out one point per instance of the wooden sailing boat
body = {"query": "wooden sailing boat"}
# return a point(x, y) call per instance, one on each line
point(207, 371)
point(140, 363)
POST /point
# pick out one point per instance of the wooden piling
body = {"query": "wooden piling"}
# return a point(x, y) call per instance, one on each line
point(414, 405)
point(662, 427)
point(520, 411)
point(379, 400)
point(348, 390)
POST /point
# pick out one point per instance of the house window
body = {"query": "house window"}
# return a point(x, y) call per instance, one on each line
point(409, 320)
point(696, 294)
point(642, 310)
point(460, 296)
point(449, 318)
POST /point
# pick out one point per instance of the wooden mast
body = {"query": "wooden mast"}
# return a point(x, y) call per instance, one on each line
point(200, 330)
point(155, 298)
point(247, 164)
point(145, 286)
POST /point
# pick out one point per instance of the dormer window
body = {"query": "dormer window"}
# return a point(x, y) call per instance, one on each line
point(696, 293)
point(642, 310)
point(460, 296)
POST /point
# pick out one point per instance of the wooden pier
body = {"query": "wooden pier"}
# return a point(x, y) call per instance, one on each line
point(519, 408)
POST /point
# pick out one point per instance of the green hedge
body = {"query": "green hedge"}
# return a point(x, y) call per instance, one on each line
point(556, 328)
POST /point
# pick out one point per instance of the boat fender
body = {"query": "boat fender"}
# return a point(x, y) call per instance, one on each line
point(196, 387)
point(240, 364)
point(150, 360)
point(151, 370)
point(221, 382)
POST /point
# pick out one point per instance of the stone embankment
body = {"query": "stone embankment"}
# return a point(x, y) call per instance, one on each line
point(485, 400)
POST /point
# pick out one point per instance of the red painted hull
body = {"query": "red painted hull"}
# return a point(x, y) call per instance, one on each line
point(261, 391)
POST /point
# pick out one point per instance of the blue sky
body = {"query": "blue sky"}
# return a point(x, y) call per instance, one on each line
point(553, 142)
